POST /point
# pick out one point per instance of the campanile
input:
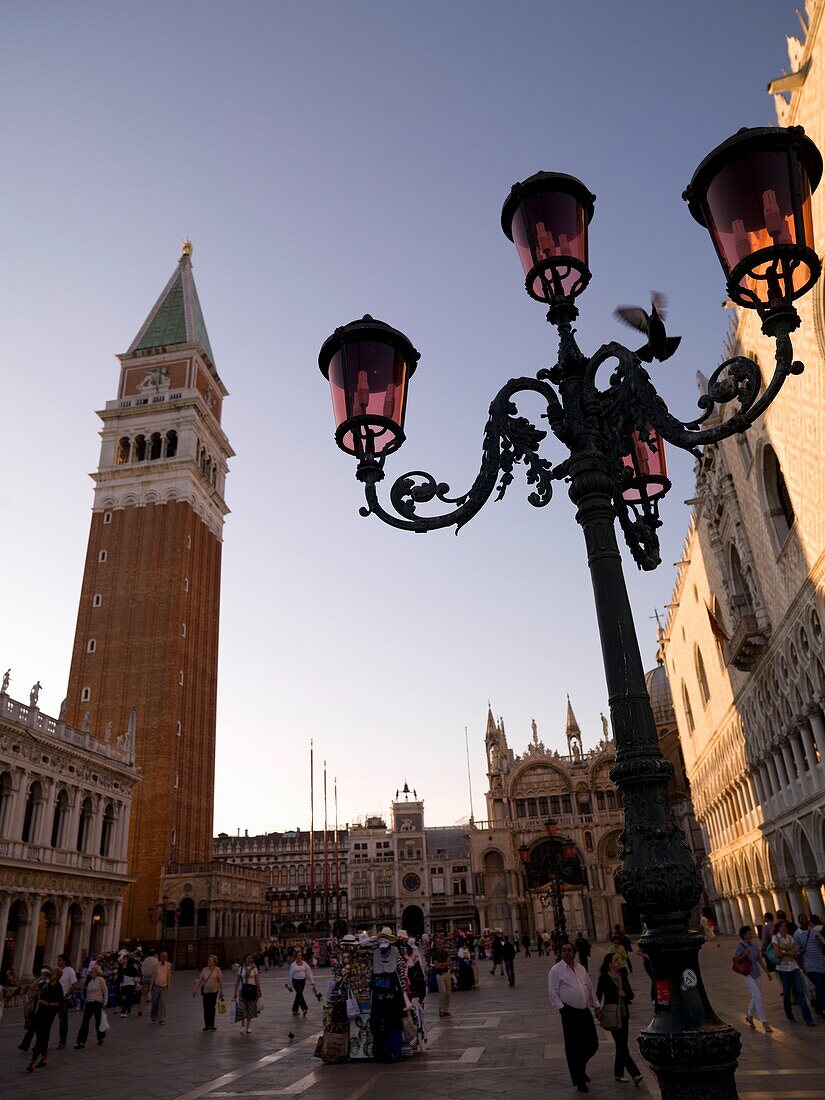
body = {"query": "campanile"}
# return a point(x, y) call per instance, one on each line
point(145, 658)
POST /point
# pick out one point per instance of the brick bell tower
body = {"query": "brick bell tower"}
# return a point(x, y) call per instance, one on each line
point(145, 658)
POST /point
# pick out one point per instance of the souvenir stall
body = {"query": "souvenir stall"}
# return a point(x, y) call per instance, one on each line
point(373, 1007)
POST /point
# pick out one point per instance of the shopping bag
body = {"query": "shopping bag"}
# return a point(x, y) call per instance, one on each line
point(221, 1006)
point(233, 1012)
point(352, 1006)
point(104, 1021)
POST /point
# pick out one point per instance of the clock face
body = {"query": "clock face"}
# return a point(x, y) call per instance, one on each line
point(411, 883)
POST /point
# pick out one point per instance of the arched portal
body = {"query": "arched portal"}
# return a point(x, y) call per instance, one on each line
point(412, 920)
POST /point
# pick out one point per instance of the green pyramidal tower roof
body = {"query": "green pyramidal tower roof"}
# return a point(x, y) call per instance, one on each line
point(176, 317)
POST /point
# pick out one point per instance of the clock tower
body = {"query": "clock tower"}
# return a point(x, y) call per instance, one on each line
point(145, 657)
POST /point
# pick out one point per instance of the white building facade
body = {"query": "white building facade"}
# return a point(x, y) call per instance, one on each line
point(65, 801)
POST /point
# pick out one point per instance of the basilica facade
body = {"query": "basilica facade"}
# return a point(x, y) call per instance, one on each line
point(743, 641)
point(574, 789)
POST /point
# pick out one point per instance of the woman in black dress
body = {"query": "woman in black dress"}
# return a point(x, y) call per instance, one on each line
point(614, 990)
point(51, 997)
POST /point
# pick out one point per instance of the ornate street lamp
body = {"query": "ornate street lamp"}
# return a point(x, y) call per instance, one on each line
point(753, 195)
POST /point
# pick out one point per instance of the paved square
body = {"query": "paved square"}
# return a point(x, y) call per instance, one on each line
point(499, 1042)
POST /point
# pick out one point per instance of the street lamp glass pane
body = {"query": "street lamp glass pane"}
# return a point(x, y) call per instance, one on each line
point(368, 378)
point(557, 227)
point(750, 206)
point(645, 462)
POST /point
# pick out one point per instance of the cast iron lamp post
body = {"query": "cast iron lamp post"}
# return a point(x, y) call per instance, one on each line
point(753, 194)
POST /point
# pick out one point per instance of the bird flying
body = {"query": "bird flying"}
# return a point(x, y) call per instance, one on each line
point(659, 345)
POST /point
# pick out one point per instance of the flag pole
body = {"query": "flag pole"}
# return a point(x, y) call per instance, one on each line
point(326, 854)
point(337, 863)
point(312, 837)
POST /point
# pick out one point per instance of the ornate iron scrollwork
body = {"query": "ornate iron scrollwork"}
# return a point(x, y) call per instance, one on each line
point(586, 418)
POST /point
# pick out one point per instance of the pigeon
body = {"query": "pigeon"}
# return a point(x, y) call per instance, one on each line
point(291, 1036)
point(659, 345)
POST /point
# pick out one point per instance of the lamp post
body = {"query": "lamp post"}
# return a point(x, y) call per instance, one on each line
point(753, 194)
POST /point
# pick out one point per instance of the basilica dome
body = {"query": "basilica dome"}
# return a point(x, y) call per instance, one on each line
point(658, 688)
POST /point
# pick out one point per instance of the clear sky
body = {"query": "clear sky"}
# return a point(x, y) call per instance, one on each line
point(327, 160)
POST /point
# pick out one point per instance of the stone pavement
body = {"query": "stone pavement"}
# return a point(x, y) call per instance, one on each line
point(499, 1042)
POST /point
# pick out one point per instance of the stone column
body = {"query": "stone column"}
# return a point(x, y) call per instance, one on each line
point(740, 801)
point(773, 764)
point(787, 759)
point(95, 826)
point(27, 941)
point(818, 727)
point(62, 917)
point(18, 808)
point(810, 751)
point(796, 748)
point(114, 913)
point(5, 906)
point(72, 823)
point(797, 904)
point(42, 832)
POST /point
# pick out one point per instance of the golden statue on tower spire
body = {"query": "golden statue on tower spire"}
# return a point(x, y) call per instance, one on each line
point(186, 247)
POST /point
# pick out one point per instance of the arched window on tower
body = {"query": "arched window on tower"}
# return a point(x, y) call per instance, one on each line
point(171, 444)
point(687, 708)
point(704, 690)
point(140, 448)
point(156, 444)
point(123, 449)
point(781, 516)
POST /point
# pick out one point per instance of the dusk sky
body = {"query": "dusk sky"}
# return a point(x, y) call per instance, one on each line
point(328, 160)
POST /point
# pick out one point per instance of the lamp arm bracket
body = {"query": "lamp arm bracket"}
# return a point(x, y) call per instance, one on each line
point(633, 399)
point(508, 439)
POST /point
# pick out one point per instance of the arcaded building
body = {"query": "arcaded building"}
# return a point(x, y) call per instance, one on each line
point(744, 638)
point(65, 801)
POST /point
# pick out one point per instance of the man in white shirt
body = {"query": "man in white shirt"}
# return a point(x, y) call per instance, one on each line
point(68, 980)
point(571, 992)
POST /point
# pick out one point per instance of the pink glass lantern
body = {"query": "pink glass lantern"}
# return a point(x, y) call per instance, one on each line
point(546, 217)
point(753, 194)
point(368, 365)
point(645, 468)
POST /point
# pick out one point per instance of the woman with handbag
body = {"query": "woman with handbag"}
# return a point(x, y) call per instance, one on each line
point(747, 959)
point(247, 994)
point(614, 995)
point(300, 972)
point(210, 986)
point(786, 956)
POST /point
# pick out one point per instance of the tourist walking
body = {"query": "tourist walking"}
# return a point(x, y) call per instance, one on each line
point(516, 941)
point(210, 987)
point(811, 947)
point(614, 996)
point(300, 972)
point(508, 957)
point(539, 944)
point(247, 995)
point(159, 988)
point(440, 961)
point(747, 960)
point(129, 975)
point(30, 1007)
point(68, 981)
point(495, 951)
point(583, 948)
point(48, 1006)
point(147, 972)
point(525, 940)
point(786, 955)
point(571, 992)
point(97, 994)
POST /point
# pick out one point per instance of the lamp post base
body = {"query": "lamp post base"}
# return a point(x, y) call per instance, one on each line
point(693, 1053)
